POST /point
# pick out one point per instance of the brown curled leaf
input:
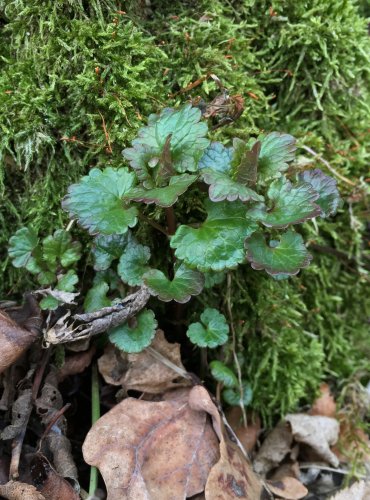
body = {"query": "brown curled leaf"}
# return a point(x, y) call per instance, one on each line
point(76, 363)
point(49, 482)
point(288, 488)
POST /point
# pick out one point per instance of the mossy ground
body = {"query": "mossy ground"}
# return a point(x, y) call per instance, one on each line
point(76, 80)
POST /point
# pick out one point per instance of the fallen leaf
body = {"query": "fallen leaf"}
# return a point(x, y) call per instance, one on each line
point(75, 364)
point(142, 372)
point(153, 450)
point(247, 435)
point(274, 449)
point(358, 491)
point(288, 488)
point(233, 476)
point(325, 404)
point(21, 411)
point(49, 482)
point(14, 490)
point(319, 433)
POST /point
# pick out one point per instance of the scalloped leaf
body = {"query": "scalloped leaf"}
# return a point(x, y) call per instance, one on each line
point(60, 248)
point(107, 248)
point(185, 283)
point(21, 246)
point(217, 157)
point(49, 303)
point(221, 187)
point(187, 142)
point(67, 282)
point(218, 243)
point(163, 196)
point(233, 398)
point(211, 332)
point(223, 374)
point(245, 161)
point(289, 204)
point(135, 335)
point(96, 298)
point(133, 263)
point(281, 258)
point(326, 187)
point(277, 150)
point(96, 201)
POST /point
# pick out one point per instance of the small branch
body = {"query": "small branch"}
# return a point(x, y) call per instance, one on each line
point(52, 422)
point(328, 166)
point(171, 220)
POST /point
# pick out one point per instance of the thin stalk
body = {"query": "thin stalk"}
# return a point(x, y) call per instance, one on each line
point(95, 415)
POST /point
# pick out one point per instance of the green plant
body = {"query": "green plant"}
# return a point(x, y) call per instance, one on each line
point(181, 215)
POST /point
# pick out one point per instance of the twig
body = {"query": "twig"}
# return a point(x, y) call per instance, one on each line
point(328, 166)
point(157, 355)
point(52, 422)
point(95, 415)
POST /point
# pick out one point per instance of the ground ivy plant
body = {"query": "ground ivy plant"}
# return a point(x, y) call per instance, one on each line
point(211, 207)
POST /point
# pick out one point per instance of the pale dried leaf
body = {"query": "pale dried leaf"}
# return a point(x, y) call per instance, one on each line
point(288, 488)
point(153, 450)
point(274, 449)
point(358, 491)
point(142, 372)
point(325, 404)
point(317, 432)
point(14, 490)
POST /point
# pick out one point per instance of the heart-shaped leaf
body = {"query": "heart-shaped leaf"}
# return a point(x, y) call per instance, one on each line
point(187, 142)
point(326, 187)
point(281, 258)
point(218, 243)
point(133, 263)
point(245, 161)
point(223, 374)
point(211, 332)
point(96, 297)
point(96, 201)
point(277, 150)
point(222, 187)
point(163, 196)
point(233, 397)
point(289, 204)
point(60, 248)
point(185, 283)
point(217, 157)
point(21, 246)
point(107, 248)
point(138, 335)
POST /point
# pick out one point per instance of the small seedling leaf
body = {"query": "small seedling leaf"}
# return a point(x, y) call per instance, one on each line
point(96, 297)
point(223, 374)
point(211, 332)
point(133, 263)
point(60, 248)
point(233, 397)
point(277, 150)
point(137, 337)
point(21, 246)
point(107, 248)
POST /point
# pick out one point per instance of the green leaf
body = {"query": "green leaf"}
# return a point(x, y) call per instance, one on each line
point(60, 248)
point(137, 336)
point(133, 263)
point(289, 204)
point(107, 248)
point(46, 277)
point(187, 143)
point(282, 258)
point(221, 187)
point(326, 187)
point(218, 243)
point(66, 282)
point(232, 396)
point(277, 150)
point(185, 283)
point(213, 278)
point(96, 201)
point(223, 374)
point(21, 246)
point(96, 298)
point(211, 332)
point(244, 162)
point(49, 303)
point(216, 157)
point(163, 196)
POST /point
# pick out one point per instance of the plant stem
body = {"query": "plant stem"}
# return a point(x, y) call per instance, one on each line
point(95, 415)
point(171, 220)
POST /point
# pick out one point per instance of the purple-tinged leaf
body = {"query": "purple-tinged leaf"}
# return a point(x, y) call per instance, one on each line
point(326, 187)
point(222, 187)
point(216, 157)
point(277, 150)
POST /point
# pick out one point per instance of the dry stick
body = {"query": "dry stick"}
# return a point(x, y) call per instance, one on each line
point(52, 422)
point(328, 166)
point(236, 361)
point(158, 356)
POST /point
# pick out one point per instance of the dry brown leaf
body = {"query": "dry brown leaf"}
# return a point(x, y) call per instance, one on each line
point(325, 404)
point(319, 433)
point(76, 363)
point(157, 450)
point(358, 491)
point(232, 477)
point(274, 449)
point(247, 435)
point(288, 488)
point(14, 490)
point(49, 482)
point(290, 469)
point(142, 372)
